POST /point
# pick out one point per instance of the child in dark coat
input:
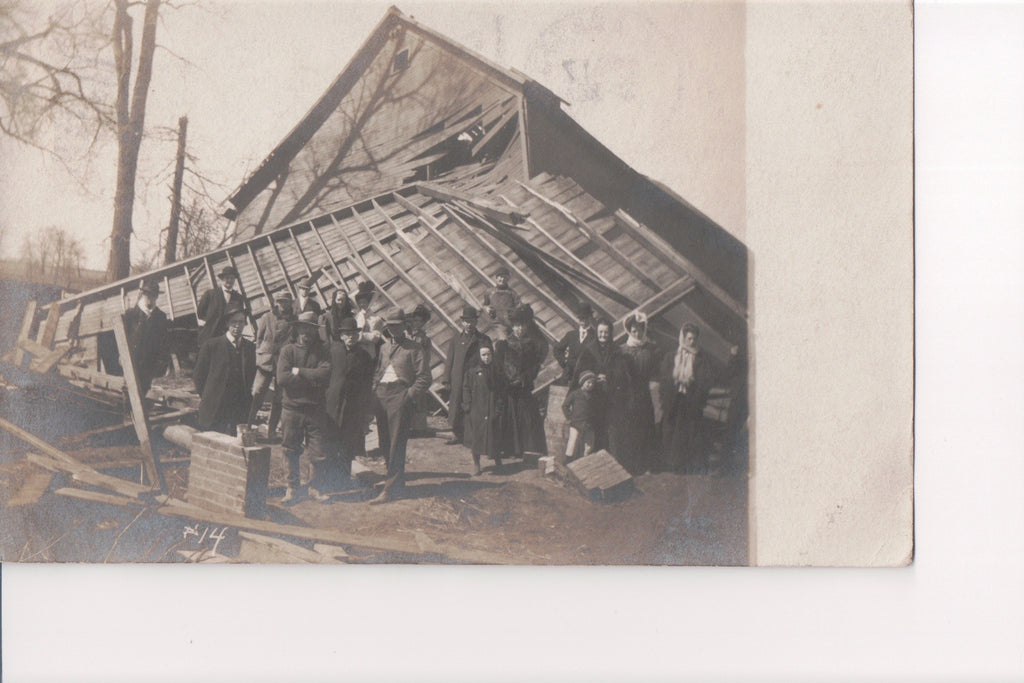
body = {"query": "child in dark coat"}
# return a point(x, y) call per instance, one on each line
point(583, 409)
point(483, 400)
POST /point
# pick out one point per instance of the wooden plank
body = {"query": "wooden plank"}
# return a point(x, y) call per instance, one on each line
point(448, 278)
point(25, 332)
point(44, 364)
point(138, 408)
point(280, 263)
point(290, 550)
point(170, 299)
point(565, 250)
point(32, 489)
point(554, 303)
point(191, 291)
point(259, 275)
point(97, 497)
point(245, 297)
point(605, 245)
point(87, 475)
point(401, 271)
point(48, 330)
point(657, 245)
point(448, 195)
point(309, 271)
point(209, 272)
point(34, 348)
point(340, 284)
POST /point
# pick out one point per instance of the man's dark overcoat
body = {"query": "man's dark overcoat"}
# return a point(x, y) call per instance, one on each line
point(463, 353)
point(213, 308)
point(223, 377)
point(149, 343)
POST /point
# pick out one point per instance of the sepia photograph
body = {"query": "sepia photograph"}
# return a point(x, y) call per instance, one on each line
point(451, 284)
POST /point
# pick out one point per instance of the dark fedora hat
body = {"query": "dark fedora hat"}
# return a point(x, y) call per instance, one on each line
point(307, 318)
point(348, 325)
point(150, 287)
point(394, 316)
point(420, 311)
point(470, 313)
point(234, 312)
point(502, 270)
point(228, 271)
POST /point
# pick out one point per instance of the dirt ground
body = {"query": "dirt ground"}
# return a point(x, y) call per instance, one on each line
point(519, 516)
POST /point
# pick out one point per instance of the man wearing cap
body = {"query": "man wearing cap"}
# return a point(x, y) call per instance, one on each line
point(146, 327)
point(401, 377)
point(211, 311)
point(501, 300)
point(349, 389)
point(273, 331)
point(567, 350)
point(306, 303)
point(303, 369)
point(463, 353)
point(224, 374)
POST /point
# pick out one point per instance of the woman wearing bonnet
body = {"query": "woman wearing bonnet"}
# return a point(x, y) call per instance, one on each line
point(632, 430)
point(685, 385)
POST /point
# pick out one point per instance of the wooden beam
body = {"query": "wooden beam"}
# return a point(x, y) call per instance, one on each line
point(245, 297)
point(85, 474)
point(43, 364)
point(209, 272)
point(447, 195)
point(97, 497)
point(25, 333)
point(309, 271)
point(448, 278)
point(564, 249)
point(523, 277)
point(191, 291)
point(596, 236)
point(280, 263)
point(400, 271)
point(48, 331)
point(518, 245)
point(425, 221)
point(656, 244)
point(138, 408)
point(340, 283)
point(170, 299)
point(259, 275)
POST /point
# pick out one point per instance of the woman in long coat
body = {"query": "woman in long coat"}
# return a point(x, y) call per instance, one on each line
point(521, 356)
point(484, 395)
point(601, 357)
point(632, 429)
point(685, 384)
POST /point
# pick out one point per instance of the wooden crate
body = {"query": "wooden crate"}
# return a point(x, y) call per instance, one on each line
point(601, 477)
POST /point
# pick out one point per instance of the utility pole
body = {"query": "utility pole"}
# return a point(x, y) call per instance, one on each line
point(179, 171)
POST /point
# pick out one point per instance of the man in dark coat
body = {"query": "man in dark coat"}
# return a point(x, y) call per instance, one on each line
point(463, 353)
point(567, 350)
point(214, 304)
point(340, 308)
point(501, 300)
point(348, 401)
point(224, 373)
point(401, 377)
point(303, 369)
point(146, 327)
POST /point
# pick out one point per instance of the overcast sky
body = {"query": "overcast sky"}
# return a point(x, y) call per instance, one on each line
point(661, 84)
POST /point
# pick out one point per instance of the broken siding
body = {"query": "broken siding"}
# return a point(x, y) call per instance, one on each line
point(386, 130)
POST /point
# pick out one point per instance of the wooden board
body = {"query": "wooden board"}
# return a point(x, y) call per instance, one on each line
point(138, 408)
point(601, 476)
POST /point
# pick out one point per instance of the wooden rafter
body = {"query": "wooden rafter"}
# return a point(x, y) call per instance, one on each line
point(596, 236)
point(305, 265)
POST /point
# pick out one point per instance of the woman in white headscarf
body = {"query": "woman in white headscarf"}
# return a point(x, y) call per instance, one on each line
point(685, 385)
point(631, 430)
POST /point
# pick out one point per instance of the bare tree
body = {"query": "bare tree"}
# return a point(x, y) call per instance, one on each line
point(131, 115)
point(52, 255)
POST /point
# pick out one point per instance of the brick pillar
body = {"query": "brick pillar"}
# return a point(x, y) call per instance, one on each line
point(225, 477)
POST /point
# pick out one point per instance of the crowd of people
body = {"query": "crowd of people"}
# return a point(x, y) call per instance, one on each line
point(332, 370)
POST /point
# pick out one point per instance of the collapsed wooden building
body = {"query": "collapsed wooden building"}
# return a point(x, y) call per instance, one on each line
point(422, 169)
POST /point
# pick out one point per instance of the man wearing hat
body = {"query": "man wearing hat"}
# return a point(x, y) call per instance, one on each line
point(567, 350)
point(303, 369)
point(501, 300)
point(146, 327)
point(349, 389)
point(213, 305)
point(306, 303)
point(224, 374)
point(401, 377)
point(370, 326)
point(463, 353)
point(415, 324)
point(273, 331)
